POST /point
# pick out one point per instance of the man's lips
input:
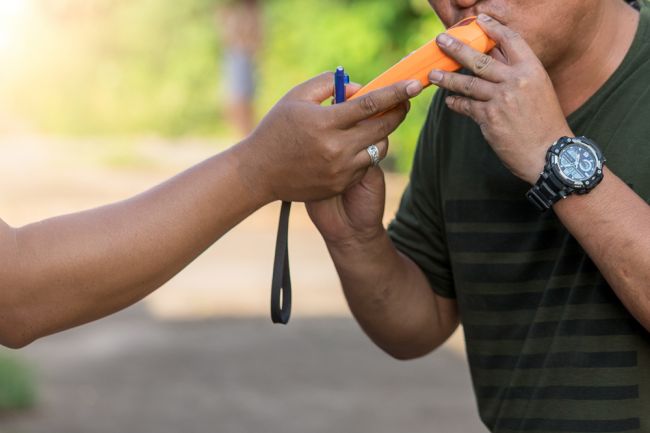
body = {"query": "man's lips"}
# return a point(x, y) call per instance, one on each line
point(473, 12)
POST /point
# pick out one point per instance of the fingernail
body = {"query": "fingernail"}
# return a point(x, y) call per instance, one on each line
point(484, 18)
point(449, 100)
point(435, 76)
point(414, 88)
point(444, 40)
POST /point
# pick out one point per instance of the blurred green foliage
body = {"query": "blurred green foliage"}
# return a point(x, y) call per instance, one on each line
point(132, 67)
point(17, 389)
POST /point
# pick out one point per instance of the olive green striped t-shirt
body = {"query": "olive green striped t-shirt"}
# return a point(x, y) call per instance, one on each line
point(550, 346)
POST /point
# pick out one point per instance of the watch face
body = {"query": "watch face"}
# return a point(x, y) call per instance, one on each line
point(578, 162)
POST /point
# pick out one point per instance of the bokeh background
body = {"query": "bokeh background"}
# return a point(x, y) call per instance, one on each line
point(126, 68)
point(101, 99)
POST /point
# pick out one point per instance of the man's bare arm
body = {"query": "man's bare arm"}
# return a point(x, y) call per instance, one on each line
point(612, 223)
point(391, 298)
point(388, 294)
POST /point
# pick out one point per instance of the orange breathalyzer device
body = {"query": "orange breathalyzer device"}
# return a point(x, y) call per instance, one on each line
point(418, 64)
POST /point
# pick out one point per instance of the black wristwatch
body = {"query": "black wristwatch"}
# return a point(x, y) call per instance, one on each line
point(573, 165)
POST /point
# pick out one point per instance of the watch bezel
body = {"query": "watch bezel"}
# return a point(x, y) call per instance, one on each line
point(554, 162)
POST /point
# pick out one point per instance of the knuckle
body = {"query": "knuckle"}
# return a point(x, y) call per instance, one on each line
point(470, 85)
point(508, 97)
point(369, 104)
point(467, 106)
point(451, 82)
point(522, 82)
point(456, 45)
point(482, 64)
point(491, 114)
point(386, 125)
point(402, 112)
point(397, 94)
point(332, 153)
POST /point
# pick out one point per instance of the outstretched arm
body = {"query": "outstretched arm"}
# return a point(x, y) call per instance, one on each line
point(73, 269)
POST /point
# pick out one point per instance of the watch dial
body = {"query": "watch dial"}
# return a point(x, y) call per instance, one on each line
point(578, 162)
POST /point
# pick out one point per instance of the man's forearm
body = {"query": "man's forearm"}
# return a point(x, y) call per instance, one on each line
point(612, 224)
point(72, 269)
point(391, 298)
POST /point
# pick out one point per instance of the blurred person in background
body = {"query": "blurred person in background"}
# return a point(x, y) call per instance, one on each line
point(72, 269)
point(555, 305)
point(241, 26)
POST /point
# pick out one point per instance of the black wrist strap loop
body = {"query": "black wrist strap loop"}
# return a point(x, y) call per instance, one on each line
point(281, 282)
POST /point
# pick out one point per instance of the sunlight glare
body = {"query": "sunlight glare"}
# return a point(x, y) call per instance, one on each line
point(13, 14)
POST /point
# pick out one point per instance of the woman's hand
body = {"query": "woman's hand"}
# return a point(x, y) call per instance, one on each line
point(303, 151)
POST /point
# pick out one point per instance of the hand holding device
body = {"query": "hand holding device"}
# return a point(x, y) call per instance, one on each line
point(420, 62)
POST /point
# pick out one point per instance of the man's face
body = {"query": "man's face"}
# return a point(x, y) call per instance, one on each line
point(549, 26)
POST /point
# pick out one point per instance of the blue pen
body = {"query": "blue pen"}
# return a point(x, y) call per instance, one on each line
point(340, 80)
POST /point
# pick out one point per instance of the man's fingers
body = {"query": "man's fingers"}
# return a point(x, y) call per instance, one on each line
point(376, 102)
point(377, 128)
point(317, 89)
point(468, 85)
point(465, 106)
point(497, 54)
point(512, 45)
point(482, 65)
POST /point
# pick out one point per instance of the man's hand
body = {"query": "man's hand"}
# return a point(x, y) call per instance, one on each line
point(356, 215)
point(387, 292)
point(510, 96)
point(305, 151)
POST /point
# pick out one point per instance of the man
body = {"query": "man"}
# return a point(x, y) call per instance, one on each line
point(69, 270)
point(555, 305)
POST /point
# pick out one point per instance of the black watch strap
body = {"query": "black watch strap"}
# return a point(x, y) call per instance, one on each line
point(281, 282)
point(550, 188)
point(547, 191)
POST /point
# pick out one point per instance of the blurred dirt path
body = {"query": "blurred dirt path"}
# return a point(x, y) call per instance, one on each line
point(133, 374)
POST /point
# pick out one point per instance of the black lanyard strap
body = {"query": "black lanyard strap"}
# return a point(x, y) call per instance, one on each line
point(281, 282)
